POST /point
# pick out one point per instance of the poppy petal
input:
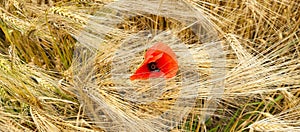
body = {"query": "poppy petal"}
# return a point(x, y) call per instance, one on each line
point(167, 65)
point(164, 59)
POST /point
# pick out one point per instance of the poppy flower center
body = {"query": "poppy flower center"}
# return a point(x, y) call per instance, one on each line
point(153, 66)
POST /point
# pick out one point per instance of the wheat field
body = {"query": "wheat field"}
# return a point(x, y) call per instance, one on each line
point(65, 64)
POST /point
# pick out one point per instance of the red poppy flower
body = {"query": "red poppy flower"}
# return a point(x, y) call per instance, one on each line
point(160, 61)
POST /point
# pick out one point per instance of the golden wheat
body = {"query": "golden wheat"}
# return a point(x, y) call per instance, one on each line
point(38, 92)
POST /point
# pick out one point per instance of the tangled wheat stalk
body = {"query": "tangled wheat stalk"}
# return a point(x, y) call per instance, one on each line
point(260, 40)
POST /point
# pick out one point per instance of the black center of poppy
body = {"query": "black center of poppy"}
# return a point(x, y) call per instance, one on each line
point(153, 66)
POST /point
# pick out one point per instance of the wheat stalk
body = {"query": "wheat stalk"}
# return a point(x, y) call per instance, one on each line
point(285, 121)
point(260, 40)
